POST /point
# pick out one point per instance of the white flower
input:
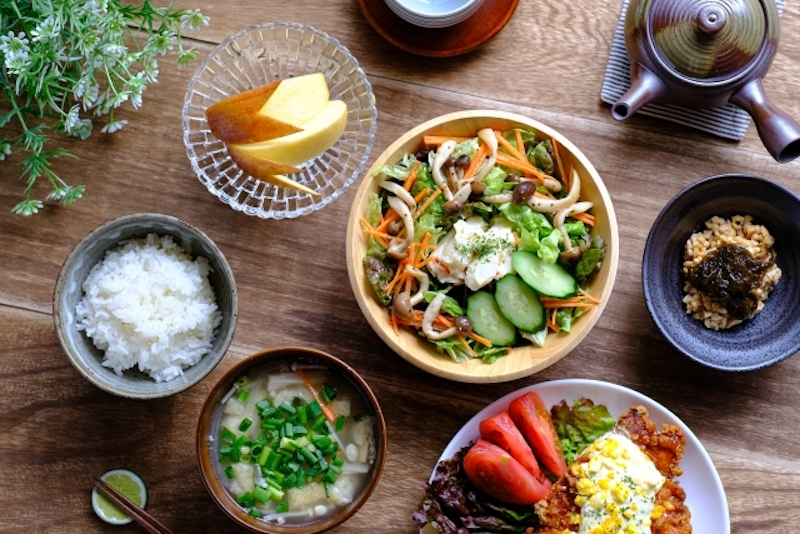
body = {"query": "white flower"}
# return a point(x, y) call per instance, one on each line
point(73, 119)
point(15, 48)
point(5, 149)
point(193, 19)
point(46, 30)
point(113, 126)
point(114, 50)
point(161, 43)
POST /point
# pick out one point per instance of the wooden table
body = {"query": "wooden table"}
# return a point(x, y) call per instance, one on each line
point(547, 63)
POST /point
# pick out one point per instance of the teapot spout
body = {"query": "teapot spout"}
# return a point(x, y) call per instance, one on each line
point(646, 88)
point(778, 131)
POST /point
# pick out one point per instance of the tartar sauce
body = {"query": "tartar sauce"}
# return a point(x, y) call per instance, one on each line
point(617, 488)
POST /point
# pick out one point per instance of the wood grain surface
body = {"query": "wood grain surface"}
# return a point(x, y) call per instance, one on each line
point(546, 63)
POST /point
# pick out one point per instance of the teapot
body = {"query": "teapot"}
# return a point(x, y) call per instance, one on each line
point(704, 54)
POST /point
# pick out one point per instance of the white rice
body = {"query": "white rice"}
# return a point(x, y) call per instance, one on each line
point(149, 305)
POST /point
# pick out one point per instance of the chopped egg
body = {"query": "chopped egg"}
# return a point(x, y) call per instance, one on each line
point(474, 252)
point(617, 487)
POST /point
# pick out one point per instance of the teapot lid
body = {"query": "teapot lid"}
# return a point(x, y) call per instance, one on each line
point(711, 39)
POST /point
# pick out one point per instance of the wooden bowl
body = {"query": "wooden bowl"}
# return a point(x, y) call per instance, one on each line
point(208, 428)
point(522, 361)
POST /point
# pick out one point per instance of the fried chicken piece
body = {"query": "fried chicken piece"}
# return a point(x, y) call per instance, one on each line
point(557, 511)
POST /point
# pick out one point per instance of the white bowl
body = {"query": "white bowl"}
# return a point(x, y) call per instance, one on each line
point(434, 13)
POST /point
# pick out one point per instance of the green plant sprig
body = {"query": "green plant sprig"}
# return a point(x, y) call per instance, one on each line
point(66, 63)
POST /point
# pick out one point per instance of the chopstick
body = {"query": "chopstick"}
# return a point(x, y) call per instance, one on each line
point(150, 523)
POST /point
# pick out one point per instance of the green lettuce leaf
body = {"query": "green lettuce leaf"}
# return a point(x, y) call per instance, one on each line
point(579, 425)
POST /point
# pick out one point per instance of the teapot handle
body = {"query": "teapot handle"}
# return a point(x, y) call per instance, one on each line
point(778, 131)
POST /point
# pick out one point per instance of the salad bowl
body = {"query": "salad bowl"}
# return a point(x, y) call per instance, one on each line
point(524, 359)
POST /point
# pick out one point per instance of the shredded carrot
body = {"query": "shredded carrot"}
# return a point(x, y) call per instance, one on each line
point(477, 160)
point(580, 301)
point(388, 217)
point(401, 271)
point(327, 411)
point(422, 194)
point(480, 339)
point(427, 203)
point(464, 342)
point(412, 176)
point(586, 218)
point(437, 140)
point(520, 143)
point(378, 236)
point(511, 148)
point(507, 161)
point(393, 319)
point(588, 296)
point(551, 322)
point(559, 164)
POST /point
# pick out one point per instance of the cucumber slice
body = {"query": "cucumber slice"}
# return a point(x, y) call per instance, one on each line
point(488, 321)
point(549, 279)
point(519, 303)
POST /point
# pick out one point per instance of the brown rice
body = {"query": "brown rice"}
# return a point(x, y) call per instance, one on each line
point(738, 230)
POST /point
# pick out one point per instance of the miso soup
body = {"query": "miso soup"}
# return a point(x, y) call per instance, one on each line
point(293, 443)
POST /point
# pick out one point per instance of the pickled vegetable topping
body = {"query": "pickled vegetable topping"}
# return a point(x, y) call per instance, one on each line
point(730, 275)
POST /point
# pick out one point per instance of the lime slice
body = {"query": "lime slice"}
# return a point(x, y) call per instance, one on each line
point(129, 484)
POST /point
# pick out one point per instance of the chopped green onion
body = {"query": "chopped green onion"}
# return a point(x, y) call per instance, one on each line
point(255, 512)
point(313, 409)
point(339, 423)
point(243, 395)
point(243, 381)
point(245, 424)
point(246, 499)
point(229, 472)
point(288, 408)
point(328, 393)
point(263, 405)
point(227, 435)
point(261, 495)
point(282, 507)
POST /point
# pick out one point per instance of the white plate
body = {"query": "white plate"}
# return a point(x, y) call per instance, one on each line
point(704, 493)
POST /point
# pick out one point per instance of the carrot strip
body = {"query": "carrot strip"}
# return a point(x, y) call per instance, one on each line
point(480, 339)
point(422, 194)
point(588, 296)
point(325, 410)
point(559, 164)
point(401, 269)
point(427, 203)
point(464, 342)
point(586, 218)
point(520, 143)
point(393, 319)
point(514, 163)
point(511, 149)
point(437, 140)
point(412, 176)
point(388, 217)
point(477, 160)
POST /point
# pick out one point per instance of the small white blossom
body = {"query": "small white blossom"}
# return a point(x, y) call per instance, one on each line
point(47, 30)
point(114, 50)
point(5, 149)
point(193, 19)
point(73, 119)
point(16, 49)
point(161, 43)
point(114, 126)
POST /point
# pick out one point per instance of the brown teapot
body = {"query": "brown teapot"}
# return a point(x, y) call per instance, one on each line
point(704, 54)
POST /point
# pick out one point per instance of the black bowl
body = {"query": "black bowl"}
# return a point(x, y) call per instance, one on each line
point(774, 333)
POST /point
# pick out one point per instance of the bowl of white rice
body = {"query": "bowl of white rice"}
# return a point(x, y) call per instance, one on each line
point(145, 306)
point(719, 272)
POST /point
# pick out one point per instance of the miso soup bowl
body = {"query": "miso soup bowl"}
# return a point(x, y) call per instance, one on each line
point(207, 432)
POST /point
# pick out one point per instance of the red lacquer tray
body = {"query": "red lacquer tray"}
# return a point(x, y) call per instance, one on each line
point(461, 38)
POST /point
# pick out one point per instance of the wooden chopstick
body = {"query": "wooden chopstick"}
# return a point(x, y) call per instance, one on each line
point(150, 523)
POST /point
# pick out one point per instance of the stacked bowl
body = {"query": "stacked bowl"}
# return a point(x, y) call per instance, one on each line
point(434, 13)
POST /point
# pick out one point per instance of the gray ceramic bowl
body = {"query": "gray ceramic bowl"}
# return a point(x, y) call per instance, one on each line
point(208, 426)
point(90, 250)
point(774, 333)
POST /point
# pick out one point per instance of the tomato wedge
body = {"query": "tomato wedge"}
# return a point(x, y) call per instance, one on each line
point(497, 473)
point(533, 419)
point(501, 430)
